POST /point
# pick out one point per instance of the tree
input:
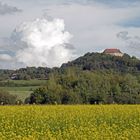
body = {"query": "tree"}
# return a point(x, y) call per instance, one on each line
point(6, 98)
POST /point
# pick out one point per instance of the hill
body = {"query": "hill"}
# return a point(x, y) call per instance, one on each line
point(101, 61)
point(90, 61)
point(92, 78)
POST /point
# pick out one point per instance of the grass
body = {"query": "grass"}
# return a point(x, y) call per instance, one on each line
point(21, 88)
point(21, 92)
point(79, 122)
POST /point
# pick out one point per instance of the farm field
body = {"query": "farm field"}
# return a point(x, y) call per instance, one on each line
point(70, 122)
point(21, 88)
point(21, 92)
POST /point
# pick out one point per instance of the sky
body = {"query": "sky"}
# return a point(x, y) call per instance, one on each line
point(51, 32)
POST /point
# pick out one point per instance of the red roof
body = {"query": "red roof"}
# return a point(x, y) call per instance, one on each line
point(112, 51)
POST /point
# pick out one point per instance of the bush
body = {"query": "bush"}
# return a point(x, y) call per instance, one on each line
point(6, 98)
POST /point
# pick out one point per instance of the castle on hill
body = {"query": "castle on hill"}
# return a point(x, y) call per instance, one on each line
point(114, 52)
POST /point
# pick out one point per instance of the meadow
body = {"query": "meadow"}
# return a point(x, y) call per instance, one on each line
point(21, 88)
point(70, 122)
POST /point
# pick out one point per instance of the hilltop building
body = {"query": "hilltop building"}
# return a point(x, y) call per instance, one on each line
point(114, 52)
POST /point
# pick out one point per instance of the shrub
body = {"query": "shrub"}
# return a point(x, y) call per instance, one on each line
point(6, 98)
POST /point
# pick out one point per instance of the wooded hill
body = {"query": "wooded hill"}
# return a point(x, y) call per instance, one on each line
point(92, 78)
point(90, 62)
point(101, 61)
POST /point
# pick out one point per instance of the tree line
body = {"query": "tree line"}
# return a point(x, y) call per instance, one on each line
point(91, 79)
point(86, 87)
point(90, 62)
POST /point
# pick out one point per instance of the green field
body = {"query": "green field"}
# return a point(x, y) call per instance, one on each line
point(65, 122)
point(21, 92)
point(21, 88)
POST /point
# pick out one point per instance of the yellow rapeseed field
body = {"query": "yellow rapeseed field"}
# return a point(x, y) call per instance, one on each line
point(70, 122)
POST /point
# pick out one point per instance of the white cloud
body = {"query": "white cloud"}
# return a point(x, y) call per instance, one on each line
point(5, 57)
point(93, 24)
point(42, 43)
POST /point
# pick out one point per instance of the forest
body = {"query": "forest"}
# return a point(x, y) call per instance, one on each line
point(94, 78)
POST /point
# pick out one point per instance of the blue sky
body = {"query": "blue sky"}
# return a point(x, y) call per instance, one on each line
point(86, 25)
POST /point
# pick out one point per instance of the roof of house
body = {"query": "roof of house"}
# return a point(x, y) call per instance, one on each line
point(112, 51)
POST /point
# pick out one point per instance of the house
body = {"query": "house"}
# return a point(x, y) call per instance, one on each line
point(114, 52)
point(13, 76)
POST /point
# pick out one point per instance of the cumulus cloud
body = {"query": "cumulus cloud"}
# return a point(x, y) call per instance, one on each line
point(94, 27)
point(7, 9)
point(42, 43)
